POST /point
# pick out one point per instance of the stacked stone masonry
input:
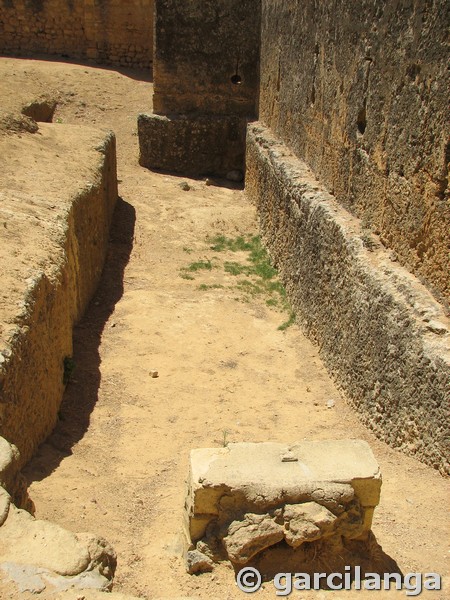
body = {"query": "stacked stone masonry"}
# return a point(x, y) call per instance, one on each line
point(206, 78)
point(107, 31)
point(251, 501)
point(60, 253)
point(359, 91)
point(381, 333)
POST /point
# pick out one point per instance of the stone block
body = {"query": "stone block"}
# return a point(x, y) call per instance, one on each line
point(247, 497)
point(192, 145)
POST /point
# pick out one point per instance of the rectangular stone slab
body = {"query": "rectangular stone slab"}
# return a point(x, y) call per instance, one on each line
point(263, 476)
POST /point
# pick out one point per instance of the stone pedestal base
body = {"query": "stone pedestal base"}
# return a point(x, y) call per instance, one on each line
point(247, 498)
point(206, 145)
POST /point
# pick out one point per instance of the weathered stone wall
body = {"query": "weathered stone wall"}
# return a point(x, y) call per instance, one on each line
point(359, 90)
point(205, 77)
point(108, 31)
point(200, 46)
point(55, 219)
point(382, 335)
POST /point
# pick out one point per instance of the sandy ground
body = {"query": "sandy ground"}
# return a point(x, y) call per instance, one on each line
point(117, 462)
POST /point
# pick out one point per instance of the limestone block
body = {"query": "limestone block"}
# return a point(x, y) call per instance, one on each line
point(197, 562)
point(248, 497)
point(5, 501)
point(307, 522)
point(9, 456)
point(23, 539)
point(251, 535)
point(37, 554)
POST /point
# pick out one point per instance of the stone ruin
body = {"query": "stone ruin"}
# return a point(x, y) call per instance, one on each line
point(38, 554)
point(269, 503)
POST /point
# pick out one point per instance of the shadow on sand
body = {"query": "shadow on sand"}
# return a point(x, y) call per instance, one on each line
point(131, 73)
point(351, 558)
point(81, 393)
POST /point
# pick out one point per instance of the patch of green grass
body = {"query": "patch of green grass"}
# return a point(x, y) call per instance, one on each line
point(287, 323)
point(265, 270)
point(235, 268)
point(199, 265)
point(220, 243)
point(214, 286)
point(272, 302)
point(256, 276)
point(276, 287)
point(250, 287)
point(187, 250)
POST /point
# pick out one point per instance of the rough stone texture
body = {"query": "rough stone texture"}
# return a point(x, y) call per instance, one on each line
point(246, 497)
point(55, 217)
point(381, 333)
point(110, 32)
point(201, 48)
point(192, 146)
point(359, 91)
point(197, 562)
point(11, 481)
point(38, 554)
point(41, 109)
point(307, 522)
point(253, 534)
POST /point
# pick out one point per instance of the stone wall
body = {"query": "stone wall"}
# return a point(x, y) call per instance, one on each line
point(107, 31)
point(206, 57)
point(381, 334)
point(359, 90)
point(55, 219)
point(206, 78)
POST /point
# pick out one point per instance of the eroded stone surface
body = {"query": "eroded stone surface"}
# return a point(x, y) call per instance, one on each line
point(57, 214)
point(306, 522)
point(37, 555)
point(359, 91)
point(368, 314)
point(197, 562)
point(251, 535)
point(246, 497)
point(25, 540)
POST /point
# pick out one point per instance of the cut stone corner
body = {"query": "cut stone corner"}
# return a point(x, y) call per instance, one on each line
point(248, 498)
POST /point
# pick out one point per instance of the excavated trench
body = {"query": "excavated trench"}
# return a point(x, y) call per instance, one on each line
point(177, 301)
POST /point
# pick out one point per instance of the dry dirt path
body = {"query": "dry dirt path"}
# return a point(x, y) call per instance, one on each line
point(117, 462)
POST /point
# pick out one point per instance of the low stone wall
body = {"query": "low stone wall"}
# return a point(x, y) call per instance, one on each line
point(58, 191)
point(192, 145)
point(381, 333)
point(108, 31)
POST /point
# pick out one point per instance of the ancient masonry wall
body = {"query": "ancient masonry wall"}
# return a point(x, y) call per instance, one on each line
point(359, 91)
point(206, 79)
point(107, 31)
point(382, 335)
point(348, 168)
point(68, 227)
